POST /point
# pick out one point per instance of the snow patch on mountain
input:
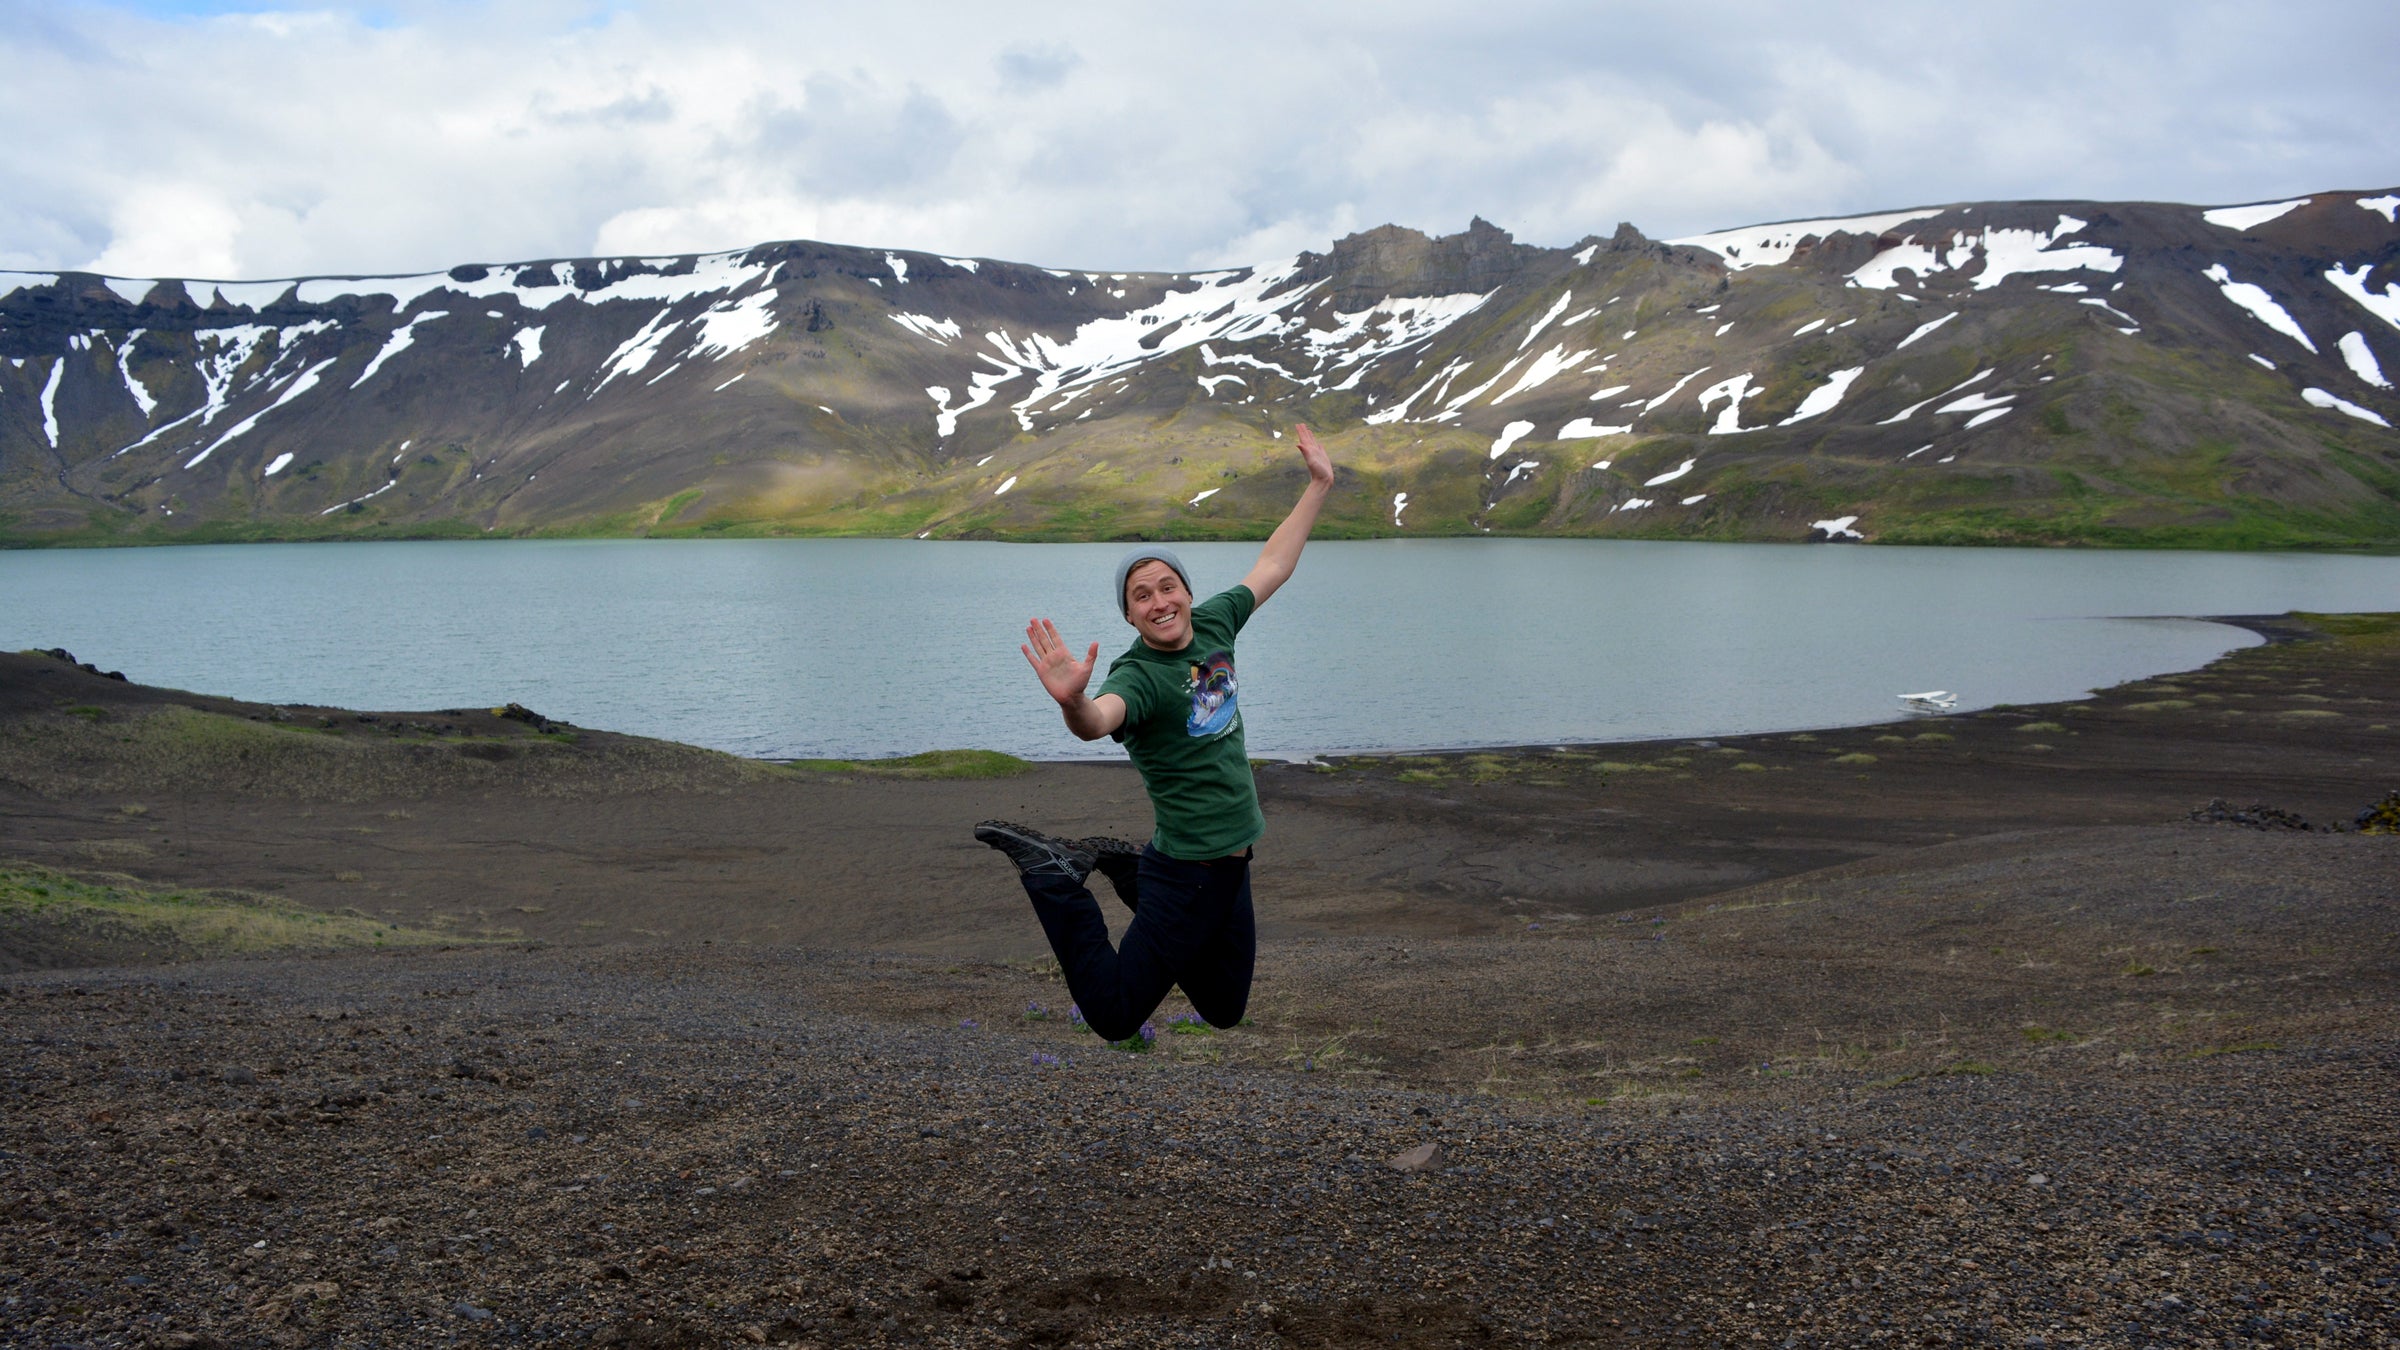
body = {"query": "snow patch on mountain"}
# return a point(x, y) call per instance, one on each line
point(2318, 398)
point(1774, 245)
point(942, 331)
point(15, 281)
point(633, 355)
point(1733, 391)
point(400, 340)
point(1911, 410)
point(253, 294)
point(1825, 397)
point(1584, 428)
point(730, 325)
point(58, 370)
point(1510, 435)
point(1986, 407)
point(1565, 298)
point(1670, 475)
point(306, 382)
point(142, 397)
point(1674, 389)
point(1925, 328)
point(2261, 305)
point(2243, 219)
point(2004, 253)
point(1550, 364)
point(2361, 358)
point(2354, 284)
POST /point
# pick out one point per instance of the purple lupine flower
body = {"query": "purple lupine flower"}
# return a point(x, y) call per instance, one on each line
point(967, 1023)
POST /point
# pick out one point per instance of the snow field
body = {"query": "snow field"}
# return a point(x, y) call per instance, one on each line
point(2005, 253)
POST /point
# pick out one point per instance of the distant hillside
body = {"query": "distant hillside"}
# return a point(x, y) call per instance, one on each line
point(2024, 372)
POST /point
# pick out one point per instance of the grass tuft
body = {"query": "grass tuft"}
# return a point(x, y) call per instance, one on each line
point(55, 920)
point(931, 764)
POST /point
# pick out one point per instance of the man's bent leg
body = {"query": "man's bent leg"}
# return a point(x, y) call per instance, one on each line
point(1216, 978)
point(1113, 990)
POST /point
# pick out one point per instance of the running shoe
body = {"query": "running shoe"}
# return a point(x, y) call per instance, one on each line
point(1120, 860)
point(1035, 853)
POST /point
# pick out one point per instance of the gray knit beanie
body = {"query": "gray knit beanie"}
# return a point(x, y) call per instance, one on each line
point(1135, 559)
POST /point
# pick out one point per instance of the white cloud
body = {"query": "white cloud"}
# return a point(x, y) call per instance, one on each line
point(315, 141)
point(160, 228)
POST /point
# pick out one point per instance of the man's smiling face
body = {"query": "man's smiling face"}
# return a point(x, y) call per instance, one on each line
point(1158, 606)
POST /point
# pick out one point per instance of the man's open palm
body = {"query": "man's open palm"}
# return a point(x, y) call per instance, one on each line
point(1320, 464)
point(1063, 675)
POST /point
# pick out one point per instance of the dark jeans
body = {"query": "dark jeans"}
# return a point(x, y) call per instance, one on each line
point(1193, 928)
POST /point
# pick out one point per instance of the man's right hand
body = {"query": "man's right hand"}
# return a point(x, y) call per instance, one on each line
point(1061, 674)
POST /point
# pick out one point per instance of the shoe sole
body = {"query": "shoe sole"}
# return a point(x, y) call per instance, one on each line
point(1014, 840)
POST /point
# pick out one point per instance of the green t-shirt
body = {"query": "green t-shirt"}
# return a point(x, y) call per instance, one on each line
point(1183, 728)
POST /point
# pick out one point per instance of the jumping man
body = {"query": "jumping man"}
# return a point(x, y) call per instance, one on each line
point(1172, 700)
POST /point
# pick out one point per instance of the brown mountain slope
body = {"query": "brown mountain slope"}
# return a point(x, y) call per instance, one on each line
point(2016, 372)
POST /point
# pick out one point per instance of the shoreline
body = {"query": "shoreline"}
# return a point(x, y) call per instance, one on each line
point(1329, 531)
point(2272, 629)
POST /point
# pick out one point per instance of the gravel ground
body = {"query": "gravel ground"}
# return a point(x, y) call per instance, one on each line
point(691, 1147)
point(1953, 1032)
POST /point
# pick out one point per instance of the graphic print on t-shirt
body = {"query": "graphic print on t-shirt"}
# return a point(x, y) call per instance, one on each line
point(1214, 707)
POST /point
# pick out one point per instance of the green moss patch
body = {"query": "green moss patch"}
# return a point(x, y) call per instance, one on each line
point(931, 764)
point(51, 920)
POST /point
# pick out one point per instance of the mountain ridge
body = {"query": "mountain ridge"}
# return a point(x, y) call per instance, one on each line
point(2023, 372)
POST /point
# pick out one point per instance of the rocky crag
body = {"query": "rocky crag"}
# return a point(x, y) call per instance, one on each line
point(2027, 372)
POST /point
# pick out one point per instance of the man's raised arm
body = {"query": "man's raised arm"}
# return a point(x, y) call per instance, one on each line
point(1065, 678)
point(1282, 553)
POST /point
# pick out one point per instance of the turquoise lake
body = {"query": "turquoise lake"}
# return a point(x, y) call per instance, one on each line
point(883, 647)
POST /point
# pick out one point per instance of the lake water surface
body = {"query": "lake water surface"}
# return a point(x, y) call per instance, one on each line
point(885, 647)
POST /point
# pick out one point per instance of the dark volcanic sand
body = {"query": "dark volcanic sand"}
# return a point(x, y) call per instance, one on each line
point(1977, 1042)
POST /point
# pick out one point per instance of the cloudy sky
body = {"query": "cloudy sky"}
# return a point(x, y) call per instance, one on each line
point(189, 138)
